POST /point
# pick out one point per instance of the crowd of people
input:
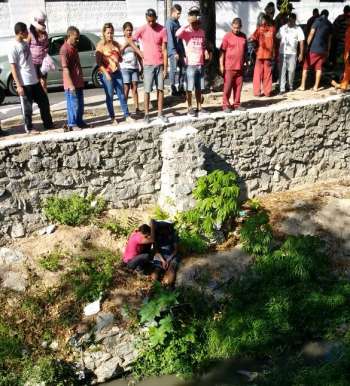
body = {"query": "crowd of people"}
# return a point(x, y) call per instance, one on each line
point(279, 44)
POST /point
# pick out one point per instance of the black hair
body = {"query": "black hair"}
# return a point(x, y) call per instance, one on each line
point(145, 229)
point(346, 9)
point(270, 4)
point(176, 7)
point(315, 11)
point(71, 30)
point(292, 16)
point(325, 12)
point(127, 24)
point(237, 20)
point(20, 27)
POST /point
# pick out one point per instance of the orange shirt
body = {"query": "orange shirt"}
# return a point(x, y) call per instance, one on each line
point(265, 35)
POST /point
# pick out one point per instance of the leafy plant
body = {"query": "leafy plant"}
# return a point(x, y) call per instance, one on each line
point(73, 210)
point(51, 262)
point(254, 204)
point(216, 203)
point(91, 276)
point(191, 242)
point(160, 214)
point(117, 228)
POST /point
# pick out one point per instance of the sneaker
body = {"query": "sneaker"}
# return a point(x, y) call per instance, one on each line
point(84, 125)
point(163, 119)
point(146, 119)
point(129, 119)
point(240, 108)
point(192, 113)
point(228, 110)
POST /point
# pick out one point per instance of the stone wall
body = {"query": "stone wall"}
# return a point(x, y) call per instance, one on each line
point(271, 149)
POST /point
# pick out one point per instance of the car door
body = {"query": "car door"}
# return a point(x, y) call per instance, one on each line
point(87, 56)
point(55, 43)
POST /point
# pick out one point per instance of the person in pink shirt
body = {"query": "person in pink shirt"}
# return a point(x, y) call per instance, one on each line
point(136, 253)
point(196, 54)
point(153, 37)
point(232, 57)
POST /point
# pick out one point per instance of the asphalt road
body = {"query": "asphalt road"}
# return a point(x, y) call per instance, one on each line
point(11, 105)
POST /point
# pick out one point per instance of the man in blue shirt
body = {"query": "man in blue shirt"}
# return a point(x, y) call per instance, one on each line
point(319, 43)
point(176, 51)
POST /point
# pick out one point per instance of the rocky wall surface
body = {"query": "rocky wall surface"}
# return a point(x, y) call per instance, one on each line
point(270, 148)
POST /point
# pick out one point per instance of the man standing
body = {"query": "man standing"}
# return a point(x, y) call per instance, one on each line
point(73, 81)
point(153, 37)
point(176, 51)
point(291, 36)
point(339, 29)
point(28, 87)
point(319, 43)
point(232, 55)
point(264, 35)
point(196, 53)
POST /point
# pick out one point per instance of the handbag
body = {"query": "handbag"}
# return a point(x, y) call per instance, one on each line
point(47, 65)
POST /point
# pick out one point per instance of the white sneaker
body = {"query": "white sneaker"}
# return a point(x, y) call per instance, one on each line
point(129, 119)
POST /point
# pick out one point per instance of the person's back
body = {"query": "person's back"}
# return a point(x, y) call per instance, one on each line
point(323, 31)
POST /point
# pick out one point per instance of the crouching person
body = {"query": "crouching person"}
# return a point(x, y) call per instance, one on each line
point(166, 259)
point(137, 251)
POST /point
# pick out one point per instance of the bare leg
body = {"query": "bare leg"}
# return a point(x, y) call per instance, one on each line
point(189, 99)
point(126, 90)
point(160, 96)
point(135, 95)
point(303, 80)
point(169, 277)
point(198, 99)
point(146, 103)
point(318, 80)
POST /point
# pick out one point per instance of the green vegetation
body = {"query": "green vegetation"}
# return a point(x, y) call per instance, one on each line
point(51, 261)
point(90, 276)
point(160, 214)
point(116, 228)
point(72, 210)
point(287, 297)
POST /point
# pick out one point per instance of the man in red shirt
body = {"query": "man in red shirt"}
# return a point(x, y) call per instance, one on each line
point(73, 81)
point(232, 55)
point(265, 36)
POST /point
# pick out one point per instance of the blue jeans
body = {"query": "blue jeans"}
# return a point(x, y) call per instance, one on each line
point(75, 107)
point(115, 84)
point(173, 67)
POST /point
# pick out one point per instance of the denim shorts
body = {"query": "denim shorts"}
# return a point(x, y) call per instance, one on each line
point(195, 78)
point(153, 74)
point(130, 75)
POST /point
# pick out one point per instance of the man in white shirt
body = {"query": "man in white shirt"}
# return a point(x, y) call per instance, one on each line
point(292, 37)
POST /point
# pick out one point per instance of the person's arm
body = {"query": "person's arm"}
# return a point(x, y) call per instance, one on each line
point(165, 59)
point(99, 61)
point(221, 61)
point(182, 32)
point(135, 48)
point(15, 76)
point(301, 50)
point(65, 69)
point(311, 36)
point(254, 36)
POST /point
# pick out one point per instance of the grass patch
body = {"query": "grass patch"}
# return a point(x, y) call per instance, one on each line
point(72, 210)
point(52, 261)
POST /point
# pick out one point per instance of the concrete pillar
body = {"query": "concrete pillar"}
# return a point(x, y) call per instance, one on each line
point(183, 163)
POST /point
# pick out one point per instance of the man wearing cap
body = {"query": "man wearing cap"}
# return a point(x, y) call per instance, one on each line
point(153, 37)
point(196, 53)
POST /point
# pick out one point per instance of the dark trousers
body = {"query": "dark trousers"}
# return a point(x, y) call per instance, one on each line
point(173, 67)
point(35, 93)
point(139, 261)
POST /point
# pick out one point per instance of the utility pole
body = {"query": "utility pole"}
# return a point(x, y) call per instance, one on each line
point(167, 9)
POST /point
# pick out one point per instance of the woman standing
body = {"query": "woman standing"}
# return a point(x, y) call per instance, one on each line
point(130, 66)
point(38, 41)
point(108, 57)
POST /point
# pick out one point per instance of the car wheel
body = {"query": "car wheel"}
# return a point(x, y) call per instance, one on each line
point(2, 95)
point(12, 86)
point(95, 79)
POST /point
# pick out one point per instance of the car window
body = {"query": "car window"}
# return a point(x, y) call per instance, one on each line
point(84, 44)
point(55, 44)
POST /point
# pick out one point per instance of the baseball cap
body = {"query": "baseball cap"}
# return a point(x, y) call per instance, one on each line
point(151, 12)
point(194, 11)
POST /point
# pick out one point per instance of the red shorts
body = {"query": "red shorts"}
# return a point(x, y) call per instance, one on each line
point(314, 60)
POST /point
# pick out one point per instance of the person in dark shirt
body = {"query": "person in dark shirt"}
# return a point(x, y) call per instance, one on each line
point(338, 41)
point(310, 22)
point(176, 50)
point(319, 43)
